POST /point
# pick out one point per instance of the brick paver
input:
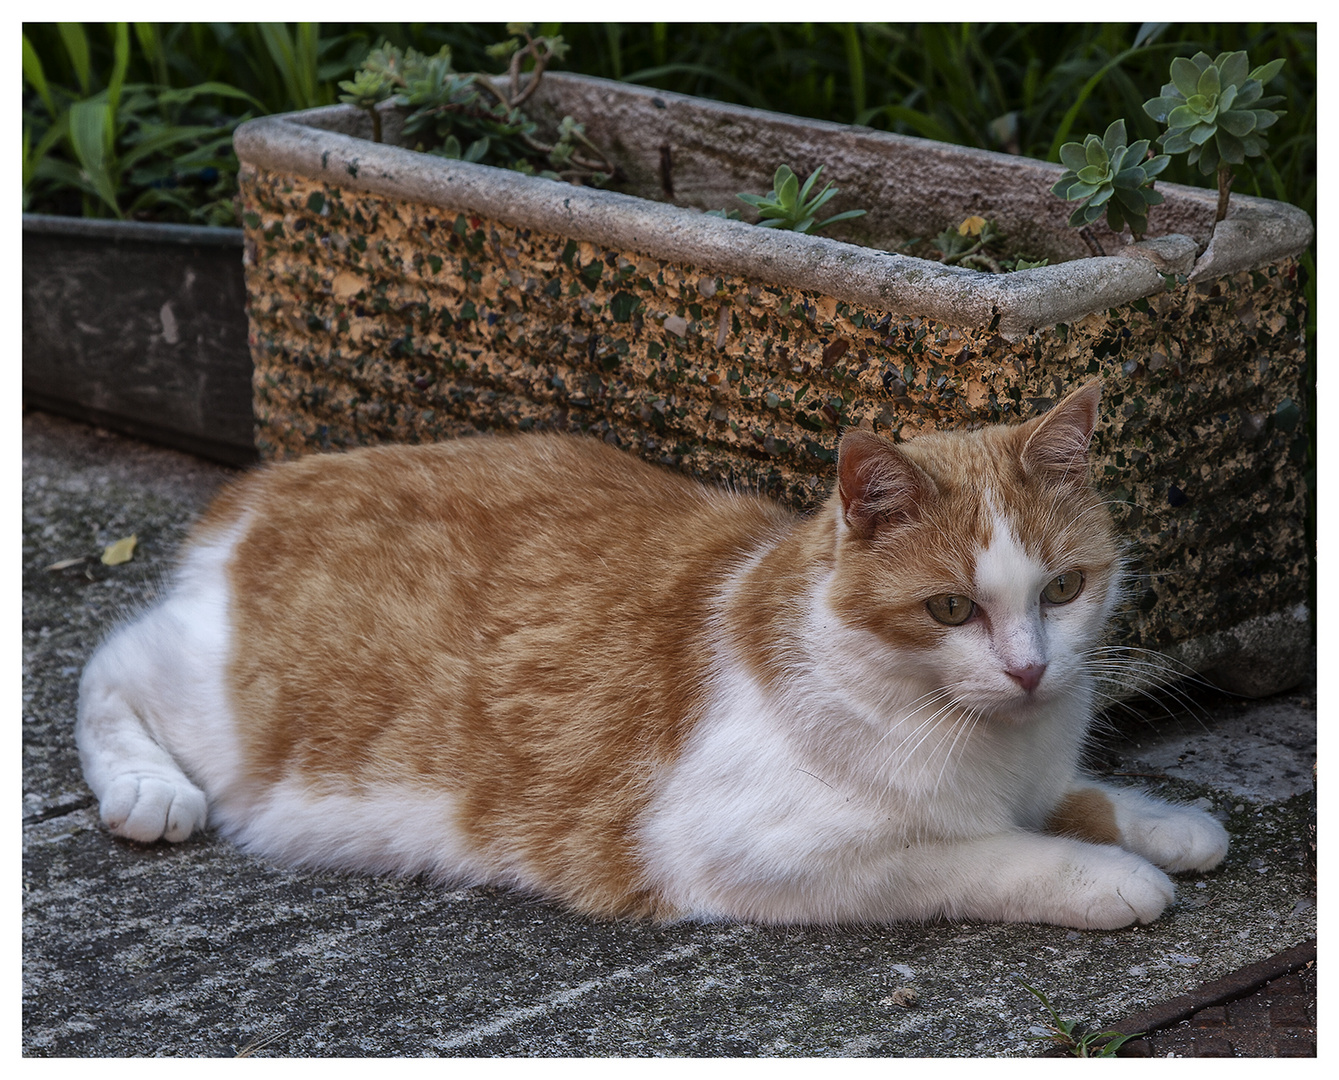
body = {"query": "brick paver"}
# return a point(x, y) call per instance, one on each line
point(1277, 1020)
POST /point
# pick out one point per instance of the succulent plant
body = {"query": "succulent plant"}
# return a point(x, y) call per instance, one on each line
point(1216, 113)
point(1107, 176)
point(467, 116)
point(1215, 109)
point(788, 205)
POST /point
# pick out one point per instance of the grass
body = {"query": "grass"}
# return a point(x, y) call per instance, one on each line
point(1022, 88)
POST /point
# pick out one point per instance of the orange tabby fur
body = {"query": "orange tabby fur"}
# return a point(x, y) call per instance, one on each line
point(387, 574)
point(537, 661)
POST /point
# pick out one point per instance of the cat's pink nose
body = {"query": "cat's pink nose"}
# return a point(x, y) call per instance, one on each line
point(1027, 677)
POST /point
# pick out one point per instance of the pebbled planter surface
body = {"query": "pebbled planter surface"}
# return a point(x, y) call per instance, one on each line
point(399, 296)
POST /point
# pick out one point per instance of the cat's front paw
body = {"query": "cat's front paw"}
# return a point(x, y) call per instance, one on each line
point(146, 808)
point(1177, 838)
point(1114, 889)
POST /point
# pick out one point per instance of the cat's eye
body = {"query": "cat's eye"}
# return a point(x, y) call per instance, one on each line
point(949, 609)
point(1064, 588)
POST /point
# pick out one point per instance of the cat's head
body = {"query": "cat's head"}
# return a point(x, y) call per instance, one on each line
point(984, 558)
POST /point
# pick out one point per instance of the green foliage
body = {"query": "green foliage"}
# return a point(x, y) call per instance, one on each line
point(791, 206)
point(1018, 87)
point(466, 116)
point(1066, 1034)
point(126, 148)
point(1215, 110)
point(1108, 177)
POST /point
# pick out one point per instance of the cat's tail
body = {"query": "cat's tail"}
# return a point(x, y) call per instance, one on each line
point(142, 792)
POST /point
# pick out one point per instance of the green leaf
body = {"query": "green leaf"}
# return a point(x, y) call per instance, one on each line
point(1080, 190)
point(788, 190)
point(120, 61)
point(1093, 174)
point(819, 200)
point(76, 46)
point(845, 215)
point(808, 184)
point(1185, 76)
point(1265, 72)
point(1094, 151)
point(1209, 84)
point(1154, 165)
point(1264, 118)
point(1129, 178)
point(1159, 107)
point(1231, 148)
point(1237, 123)
point(1072, 156)
point(1249, 94)
point(1183, 116)
point(1114, 136)
point(89, 121)
point(36, 76)
point(1206, 157)
point(1177, 142)
point(1201, 133)
point(1233, 68)
point(1130, 197)
point(1061, 187)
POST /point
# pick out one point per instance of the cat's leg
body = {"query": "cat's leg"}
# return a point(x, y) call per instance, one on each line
point(142, 792)
point(1177, 838)
point(1017, 876)
point(1025, 877)
point(155, 729)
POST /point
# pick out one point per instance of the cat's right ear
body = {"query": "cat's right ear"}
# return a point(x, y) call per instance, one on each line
point(879, 485)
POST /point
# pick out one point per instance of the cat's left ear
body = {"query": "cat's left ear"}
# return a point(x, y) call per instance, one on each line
point(1057, 447)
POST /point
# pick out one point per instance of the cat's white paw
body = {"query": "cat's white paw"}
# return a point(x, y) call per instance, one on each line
point(1113, 889)
point(146, 807)
point(1177, 838)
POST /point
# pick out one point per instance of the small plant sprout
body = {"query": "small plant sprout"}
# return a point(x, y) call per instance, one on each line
point(789, 206)
point(1065, 1034)
point(1216, 114)
point(976, 243)
point(1107, 177)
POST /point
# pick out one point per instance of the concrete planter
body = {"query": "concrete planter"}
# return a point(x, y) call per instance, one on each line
point(141, 328)
point(400, 296)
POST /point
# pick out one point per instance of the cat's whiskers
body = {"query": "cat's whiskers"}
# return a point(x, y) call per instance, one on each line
point(964, 731)
point(1112, 667)
point(929, 726)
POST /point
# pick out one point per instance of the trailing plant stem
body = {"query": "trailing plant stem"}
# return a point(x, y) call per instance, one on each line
point(1225, 178)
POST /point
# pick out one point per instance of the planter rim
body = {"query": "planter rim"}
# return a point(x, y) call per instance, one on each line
point(1257, 231)
point(148, 231)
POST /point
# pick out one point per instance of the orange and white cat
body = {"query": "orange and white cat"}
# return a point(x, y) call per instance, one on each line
point(538, 662)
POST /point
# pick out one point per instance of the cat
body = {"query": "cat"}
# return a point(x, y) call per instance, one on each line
point(537, 662)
